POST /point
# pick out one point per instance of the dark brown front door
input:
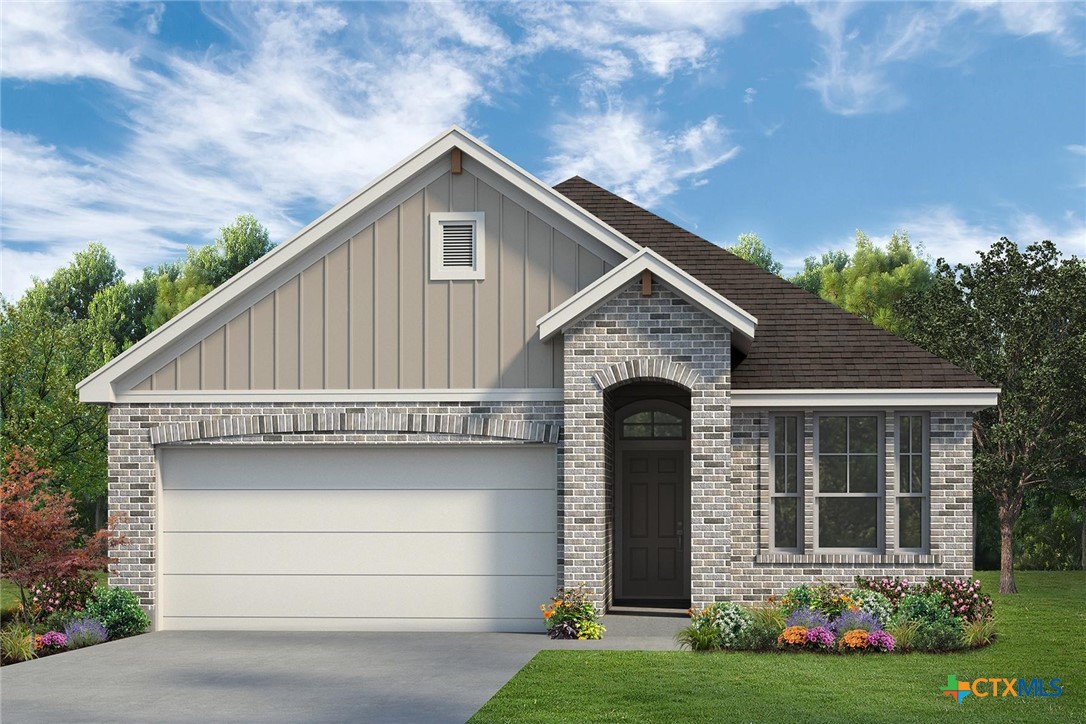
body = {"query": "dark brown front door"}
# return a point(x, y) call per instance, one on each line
point(653, 562)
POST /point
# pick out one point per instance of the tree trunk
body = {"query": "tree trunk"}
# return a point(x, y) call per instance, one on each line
point(1006, 557)
point(101, 505)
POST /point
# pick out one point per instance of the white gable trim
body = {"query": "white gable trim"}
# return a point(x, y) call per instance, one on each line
point(579, 305)
point(809, 399)
point(246, 287)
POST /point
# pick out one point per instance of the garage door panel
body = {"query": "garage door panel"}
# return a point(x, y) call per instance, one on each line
point(387, 468)
point(360, 553)
point(377, 597)
point(361, 510)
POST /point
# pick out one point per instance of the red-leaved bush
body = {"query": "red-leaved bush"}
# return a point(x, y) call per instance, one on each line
point(38, 537)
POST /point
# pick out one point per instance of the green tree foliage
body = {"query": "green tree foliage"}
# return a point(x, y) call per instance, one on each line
point(814, 268)
point(1018, 319)
point(873, 280)
point(68, 325)
point(751, 248)
point(181, 285)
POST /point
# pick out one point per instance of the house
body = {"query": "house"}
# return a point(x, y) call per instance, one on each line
point(461, 388)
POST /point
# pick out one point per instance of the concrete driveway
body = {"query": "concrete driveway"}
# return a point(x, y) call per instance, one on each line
point(287, 677)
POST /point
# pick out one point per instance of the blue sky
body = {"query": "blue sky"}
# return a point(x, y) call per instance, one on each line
point(149, 126)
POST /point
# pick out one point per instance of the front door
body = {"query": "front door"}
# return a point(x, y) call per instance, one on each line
point(652, 534)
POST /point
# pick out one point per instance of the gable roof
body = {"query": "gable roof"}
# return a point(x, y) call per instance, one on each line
point(576, 307)
point(245, 287)
point(803, 341)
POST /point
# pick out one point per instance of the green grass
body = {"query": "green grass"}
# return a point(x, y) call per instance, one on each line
point(1042, 634)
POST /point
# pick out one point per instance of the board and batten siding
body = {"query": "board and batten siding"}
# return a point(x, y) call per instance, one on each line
point(367, 315)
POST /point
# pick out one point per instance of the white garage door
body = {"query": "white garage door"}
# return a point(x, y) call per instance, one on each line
point(361, 538)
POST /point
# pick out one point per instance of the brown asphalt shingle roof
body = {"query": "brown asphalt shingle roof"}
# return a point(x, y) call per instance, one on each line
point(802, 341)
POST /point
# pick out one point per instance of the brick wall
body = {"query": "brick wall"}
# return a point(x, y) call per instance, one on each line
point(633, 338)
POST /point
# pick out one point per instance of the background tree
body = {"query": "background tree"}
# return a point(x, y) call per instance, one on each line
point(66, 326)
point(874, 280)
point(1018, 319)
point(237, 246)
point(751, 248)
point(814, 268)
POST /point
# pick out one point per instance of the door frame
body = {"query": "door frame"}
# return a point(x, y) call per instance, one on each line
point(621, 445)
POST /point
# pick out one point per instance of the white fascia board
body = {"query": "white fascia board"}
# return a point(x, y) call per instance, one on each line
point(576, 307)
point(99, 386)
point(956, 398)
point(528, 394)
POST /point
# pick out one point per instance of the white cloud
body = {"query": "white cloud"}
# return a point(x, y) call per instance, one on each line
point(945, 233)
point(748, 95)
point(1076, 148)
point(621, 151)
point(47, 41)
point(1059, 22)
point(291, 121)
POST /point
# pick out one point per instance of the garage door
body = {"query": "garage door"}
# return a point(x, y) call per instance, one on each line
point(360, 538)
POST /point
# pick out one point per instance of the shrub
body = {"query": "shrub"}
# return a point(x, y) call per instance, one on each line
point(881, 640)
point(980, 632)
point(63, 594)
point(698, 638)
point(873, 602)
point(893, 588)
point(808, 618)
point(831, 599)
point(942, 636)
point(769, 615)
point(798, 597)
point(50, 642)
point(569, 615)
point(57, 620)
point(962, 597)
point(904, 633)
point(85, 632)
point(118, 610)
point(855, 620)
point(17, 643)
point(820, 637)
point(924, 608)
point(759, 636)
point(726, 618)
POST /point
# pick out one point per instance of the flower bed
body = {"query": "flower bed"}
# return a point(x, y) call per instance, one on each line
point(876, 615)
point(570, 615)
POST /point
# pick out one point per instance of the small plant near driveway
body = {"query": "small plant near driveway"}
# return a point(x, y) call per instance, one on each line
point(571, 615)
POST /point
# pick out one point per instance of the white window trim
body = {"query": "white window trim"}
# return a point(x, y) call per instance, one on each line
point(798, 495)
point(925, 496)
point(438, 270)
point(880, 473)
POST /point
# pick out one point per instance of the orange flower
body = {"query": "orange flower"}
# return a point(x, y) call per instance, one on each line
point(548, 614)
point(795, 635)
point(855, 639)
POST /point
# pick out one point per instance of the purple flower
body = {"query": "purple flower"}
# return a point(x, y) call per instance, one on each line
point(852, 620)
point(808, 618)
point(881, 640)
point(820, 636)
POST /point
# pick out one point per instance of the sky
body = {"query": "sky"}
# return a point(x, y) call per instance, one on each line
point(150, 126)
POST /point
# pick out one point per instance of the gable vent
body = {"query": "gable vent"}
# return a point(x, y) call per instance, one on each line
point(456, 245)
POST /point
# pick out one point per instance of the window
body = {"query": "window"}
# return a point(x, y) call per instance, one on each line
point(912, 476)
point(650, 424)
point(849, 493)
point(786, 454)
point(457, 250)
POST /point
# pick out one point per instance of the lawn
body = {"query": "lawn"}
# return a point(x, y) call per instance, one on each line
point(1042, 634)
